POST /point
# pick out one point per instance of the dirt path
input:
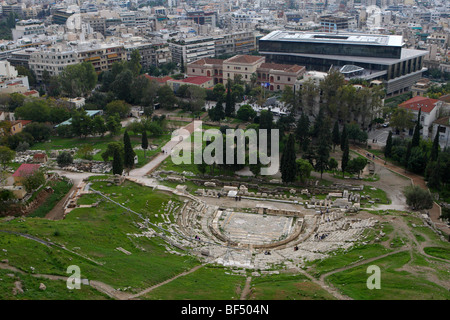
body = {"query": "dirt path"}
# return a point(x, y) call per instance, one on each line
point(57, 213)
point(246, 291)
point(435, 211)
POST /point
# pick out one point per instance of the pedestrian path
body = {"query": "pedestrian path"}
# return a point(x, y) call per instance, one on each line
point(435, 211)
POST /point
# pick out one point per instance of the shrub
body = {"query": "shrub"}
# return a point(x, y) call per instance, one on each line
point(418, 198)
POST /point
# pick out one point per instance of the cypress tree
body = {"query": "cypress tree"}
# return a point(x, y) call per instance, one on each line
point(144, 142)
point(128, 151)
point(388, 147)
point(345, 155)
point(336, 135)
point(229, 102)
point(344, 137)
point(434, 181)
point(416, 135)
point(408, 155)
point(302, 130)
point(117, 163)
point(288, 166)
point(322, 156)
point(435, 148)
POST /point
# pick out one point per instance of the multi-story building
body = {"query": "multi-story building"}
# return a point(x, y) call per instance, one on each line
point(207, 67)
point(10, 81)
point(240, 42)
point(380, 56)
point(97, 23)
point(60, 16)
point(273, 76)
point(152, 54)
point(128, 18)
point(191, 49)
point(332, 23)
point(429, 112)
point(102, 56)
point(7, 9)
point(53, 60)
point(27, 28)
point(278, 76)
point(202, 17)
point(242, 65)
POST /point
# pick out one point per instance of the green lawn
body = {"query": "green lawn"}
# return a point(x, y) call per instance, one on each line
point(342, 259)
point(286, 287)
point(96, 233)
point(396, 283)
point(55, 289)
point(206, 283)
point(102, 144)
point(443, 253)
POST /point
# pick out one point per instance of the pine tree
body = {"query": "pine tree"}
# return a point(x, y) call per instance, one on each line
point(288, 166)
point(144, 142)
point(117, 163)
point(336, 135)
point(388, 147)
point(435, 148)
point(128, 151)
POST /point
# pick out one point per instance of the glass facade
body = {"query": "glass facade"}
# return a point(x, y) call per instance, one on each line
point(330, 49)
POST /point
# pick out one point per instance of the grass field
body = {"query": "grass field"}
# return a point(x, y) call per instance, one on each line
point(206, 283)
point(96, 233)
point(55, 289)
point(286, 287)
point(443, 253)
point(396, 282)
point(102, 144)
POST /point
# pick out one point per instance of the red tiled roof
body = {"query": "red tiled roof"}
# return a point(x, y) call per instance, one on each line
point(194, 80)
point(162, 80)
point(445, 98)
point(29, 93)
point(204, 61)
point(26, 169)
point(283, 67)
point(244, 59)
point(39, 155)
point(444, 121)
point(418, 102)
point(24, 122)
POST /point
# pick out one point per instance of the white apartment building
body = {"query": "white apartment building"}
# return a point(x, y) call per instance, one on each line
point(27, 28)
point(192, 49)
point(54, 60)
